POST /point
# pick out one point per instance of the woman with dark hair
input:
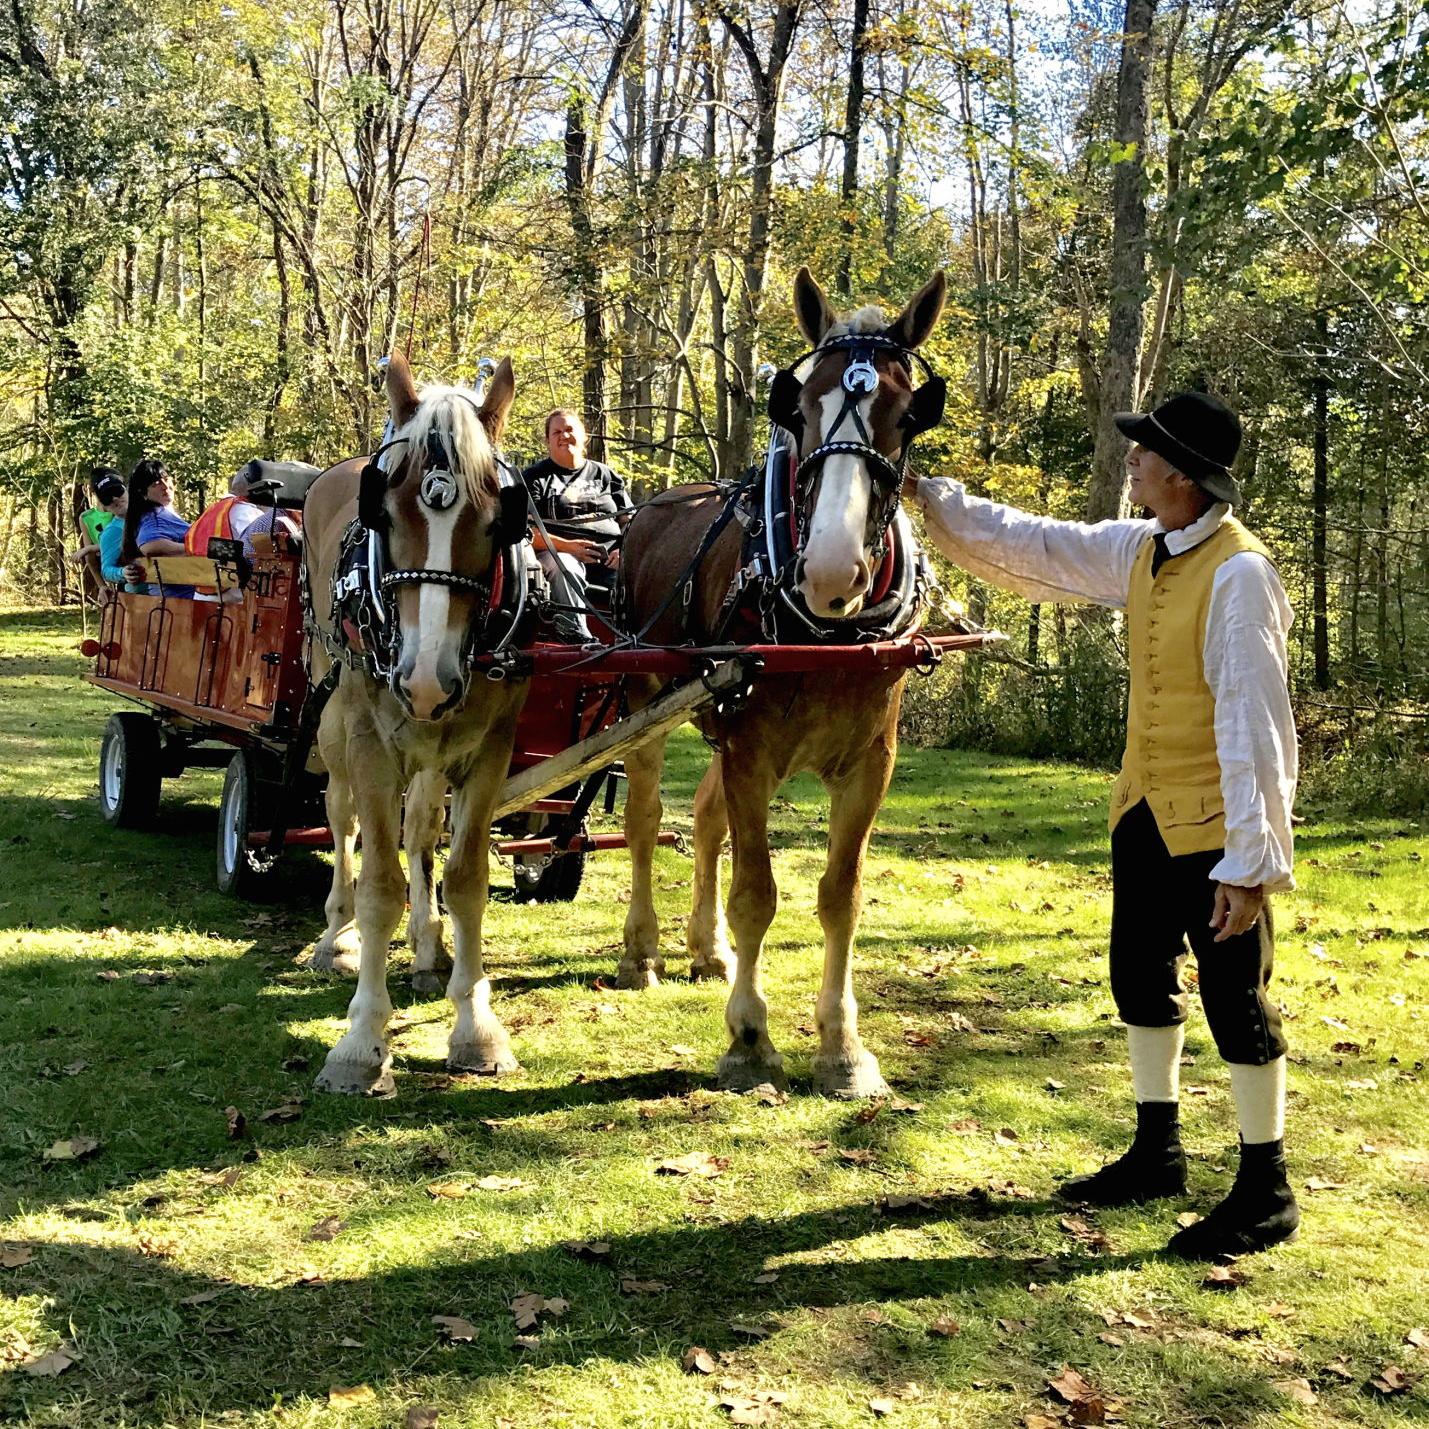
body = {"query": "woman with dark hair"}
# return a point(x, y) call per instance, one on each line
point(151, 525)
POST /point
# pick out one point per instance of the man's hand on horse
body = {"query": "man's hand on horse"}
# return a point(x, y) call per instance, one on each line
point(1236, 910)
point(613, 559)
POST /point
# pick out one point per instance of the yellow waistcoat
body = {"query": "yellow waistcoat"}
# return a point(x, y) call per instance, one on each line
point(1170, 758)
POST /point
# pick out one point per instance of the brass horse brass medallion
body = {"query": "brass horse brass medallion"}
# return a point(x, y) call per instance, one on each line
point(438, 490)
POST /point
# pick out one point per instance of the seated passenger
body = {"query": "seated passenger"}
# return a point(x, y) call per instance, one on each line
point(151, 525)
point(114, 499)
point(235, 518)
point(104, 524)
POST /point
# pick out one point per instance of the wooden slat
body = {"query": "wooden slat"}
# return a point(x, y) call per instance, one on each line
point(188, 570)
point(610, 744)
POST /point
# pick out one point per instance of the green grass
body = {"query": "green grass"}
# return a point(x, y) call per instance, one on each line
point(987, 898)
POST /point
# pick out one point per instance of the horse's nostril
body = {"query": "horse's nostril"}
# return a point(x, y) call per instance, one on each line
point(837, 603)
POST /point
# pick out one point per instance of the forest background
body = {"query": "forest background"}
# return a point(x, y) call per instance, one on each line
point(216, 217)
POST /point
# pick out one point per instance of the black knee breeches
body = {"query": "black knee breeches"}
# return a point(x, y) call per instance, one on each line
point(1159, 901)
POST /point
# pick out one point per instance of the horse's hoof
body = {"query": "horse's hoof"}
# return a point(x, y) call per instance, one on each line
point(430, 983)
point(742, 1071)
point(343, 959)
point(645, 973)
point(492, 1058)
point(714, 967)
point(849, 1077)
point(356, 1079)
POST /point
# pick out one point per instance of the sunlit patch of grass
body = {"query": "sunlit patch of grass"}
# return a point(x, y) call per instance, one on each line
point(982, 980)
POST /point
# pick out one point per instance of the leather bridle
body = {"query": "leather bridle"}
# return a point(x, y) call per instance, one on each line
point(860, 380)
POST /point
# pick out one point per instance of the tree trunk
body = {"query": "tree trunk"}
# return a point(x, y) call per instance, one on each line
point(586, 270)
point(853, 132)
point(1121, 359)
point(1319, 508)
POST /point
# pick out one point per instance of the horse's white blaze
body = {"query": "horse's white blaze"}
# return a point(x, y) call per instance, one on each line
point(836, 567)
point(424, 685)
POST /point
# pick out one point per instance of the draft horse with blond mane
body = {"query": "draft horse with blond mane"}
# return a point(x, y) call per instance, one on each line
point(423, 532)
point(851, 409)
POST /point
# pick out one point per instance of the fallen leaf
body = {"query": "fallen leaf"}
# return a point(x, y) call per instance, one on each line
point(74, 1148)
point(945, 1328)
point(14, 1256)
point(857, 1156)
point(285, 1111)
point(344, 1395)
point(767, 1094)
point(1070, 1386)
point(1188, 1218)
point(108, 975)
point(500, 1183)
point(768, 1277)
point(526, 1342)
point(237, 1123)
point(528, 1308)
point(880, 1408)
point(326, 1229)
point(421, 1416)
point(56, 1362)
point(587, 1249)
point(696, 1163)
point(448, 1190)
point(965, 1124)
point(1418, 1338)
point(1107, 1338)
point(311, 1279)
point(903, 1201)
point(1390, 1380)
point(229, 1007)
point(956, 1022)
point(1005, 1136)
point(1299, 1390)
point(747, 1331)
point(680, 1050)
point(1316, 1184)
point(73, 1069)
point(1340, 1370)
point(457, 1330)
point(630, 1286)
point(1055, 1086)
point(158, 1247)
point(204, 1296)
point(153, 979)
point(1223, 1277)
point(1040, 1421)
point(697, 1360)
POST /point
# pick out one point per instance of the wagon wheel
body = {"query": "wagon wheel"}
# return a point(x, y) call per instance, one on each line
point(246, 804)
point(542, 879)
point(130, 764)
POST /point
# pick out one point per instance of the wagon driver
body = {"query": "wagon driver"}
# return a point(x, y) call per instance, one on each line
point(584, 505)
point(1200, 814)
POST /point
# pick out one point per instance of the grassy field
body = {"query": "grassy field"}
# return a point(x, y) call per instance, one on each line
point(843, 1266)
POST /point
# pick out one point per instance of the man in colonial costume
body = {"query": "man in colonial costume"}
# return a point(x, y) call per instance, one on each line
point(1200, 815)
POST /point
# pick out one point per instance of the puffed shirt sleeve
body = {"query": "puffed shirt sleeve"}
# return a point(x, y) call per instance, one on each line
point(1036, 556)
point(1245, 661)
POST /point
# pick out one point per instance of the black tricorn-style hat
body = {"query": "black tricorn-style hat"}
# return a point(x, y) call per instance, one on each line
point(1197, 433)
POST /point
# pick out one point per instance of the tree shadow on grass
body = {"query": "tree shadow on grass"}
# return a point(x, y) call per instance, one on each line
point(236, 1347)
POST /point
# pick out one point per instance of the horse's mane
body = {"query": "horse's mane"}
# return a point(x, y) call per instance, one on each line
point(452, 413)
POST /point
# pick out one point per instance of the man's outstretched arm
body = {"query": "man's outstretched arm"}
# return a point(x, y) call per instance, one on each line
point(1036, 556)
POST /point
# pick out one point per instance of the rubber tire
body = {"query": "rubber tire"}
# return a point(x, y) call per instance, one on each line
point(244, 805)
point(558, 882)
point(131, 757)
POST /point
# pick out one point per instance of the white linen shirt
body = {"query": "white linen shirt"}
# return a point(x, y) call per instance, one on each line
point(1244, 657)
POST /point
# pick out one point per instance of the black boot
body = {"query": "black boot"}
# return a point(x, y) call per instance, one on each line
point(1259, 1212)
point(1153, 1166)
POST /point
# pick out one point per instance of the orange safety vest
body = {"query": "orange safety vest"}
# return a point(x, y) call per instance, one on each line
point(216, 520)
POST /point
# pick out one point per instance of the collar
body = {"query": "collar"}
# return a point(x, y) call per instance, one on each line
point(1186, 537)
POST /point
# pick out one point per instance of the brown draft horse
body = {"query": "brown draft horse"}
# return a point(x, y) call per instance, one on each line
point(429, 724)
point(842, 726)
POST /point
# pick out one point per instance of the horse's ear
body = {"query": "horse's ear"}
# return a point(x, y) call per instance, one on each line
point(811, 307)
point(913, 326)
point(499, 393)
point(401, 390)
